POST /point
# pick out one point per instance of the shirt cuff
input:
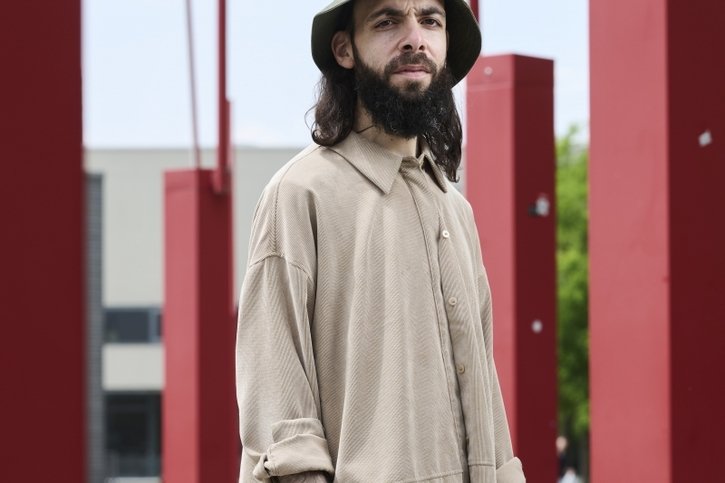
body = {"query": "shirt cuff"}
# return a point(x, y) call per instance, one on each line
point(510, 472)
point(299, 446)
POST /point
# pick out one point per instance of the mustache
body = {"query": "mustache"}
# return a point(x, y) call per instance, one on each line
point(410, 58)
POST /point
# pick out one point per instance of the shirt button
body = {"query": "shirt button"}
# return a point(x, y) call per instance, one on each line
point(453, 301)
point(461, 368)
point(445, 234)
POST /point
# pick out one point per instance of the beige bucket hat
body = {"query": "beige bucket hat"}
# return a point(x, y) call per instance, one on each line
point(464, 36)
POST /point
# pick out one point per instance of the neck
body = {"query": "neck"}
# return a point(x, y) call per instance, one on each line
point(396, 144)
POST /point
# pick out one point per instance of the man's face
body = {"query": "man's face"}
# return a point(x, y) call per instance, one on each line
point(403, 41)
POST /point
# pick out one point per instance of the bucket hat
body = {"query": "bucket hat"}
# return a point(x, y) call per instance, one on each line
point(464, 35)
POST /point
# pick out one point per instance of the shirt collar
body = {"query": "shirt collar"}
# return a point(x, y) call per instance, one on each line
point(381, 166)
point(427, 157)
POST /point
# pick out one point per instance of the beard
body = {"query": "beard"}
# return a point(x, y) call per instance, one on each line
point(412, 110)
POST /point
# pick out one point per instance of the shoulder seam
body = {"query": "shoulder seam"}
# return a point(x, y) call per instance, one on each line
point(294, 161)
point(282, 257)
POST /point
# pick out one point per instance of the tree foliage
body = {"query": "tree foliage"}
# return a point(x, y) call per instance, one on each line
point(572, 280)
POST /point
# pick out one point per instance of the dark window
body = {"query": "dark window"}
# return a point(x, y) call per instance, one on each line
point(133, 325)
point(133, 434)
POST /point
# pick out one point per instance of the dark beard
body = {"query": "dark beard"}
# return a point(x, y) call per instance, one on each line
point(407, 112)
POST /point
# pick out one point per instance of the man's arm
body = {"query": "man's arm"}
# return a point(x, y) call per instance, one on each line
point(277, 392)
point(508, 467)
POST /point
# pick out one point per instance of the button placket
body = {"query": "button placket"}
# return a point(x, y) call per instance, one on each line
point(462, 317)
point(419, 185)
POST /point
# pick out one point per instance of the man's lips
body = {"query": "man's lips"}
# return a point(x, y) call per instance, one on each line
point(407, 69)
point(413, 72)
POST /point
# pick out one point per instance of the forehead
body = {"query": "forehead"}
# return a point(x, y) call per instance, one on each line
point(362, 9)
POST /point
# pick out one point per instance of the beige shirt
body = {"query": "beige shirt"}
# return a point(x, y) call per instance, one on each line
point(364, 338)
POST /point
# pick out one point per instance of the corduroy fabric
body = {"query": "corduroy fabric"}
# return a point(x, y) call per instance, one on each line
point(364, 340)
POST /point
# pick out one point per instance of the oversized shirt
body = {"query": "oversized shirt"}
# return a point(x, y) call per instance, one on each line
point(364, 339)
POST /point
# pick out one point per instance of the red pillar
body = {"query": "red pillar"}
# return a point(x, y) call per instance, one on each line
point(200, 430)
point(510, 166)
point(656, 240)
point(42, 257)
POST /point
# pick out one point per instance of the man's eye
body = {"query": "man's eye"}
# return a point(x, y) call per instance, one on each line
point(384, 23)
point(433, 22)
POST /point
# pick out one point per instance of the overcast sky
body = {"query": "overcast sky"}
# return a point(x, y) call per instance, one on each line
point(136, 83)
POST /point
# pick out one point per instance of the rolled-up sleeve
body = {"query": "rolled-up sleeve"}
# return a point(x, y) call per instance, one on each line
point(510, 472)
point(299, 447)
point(277, 388)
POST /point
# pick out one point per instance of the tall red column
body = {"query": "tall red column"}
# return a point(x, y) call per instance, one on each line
point(657, 263)
point(509, 173)
point(42, 257)
point(200, 431)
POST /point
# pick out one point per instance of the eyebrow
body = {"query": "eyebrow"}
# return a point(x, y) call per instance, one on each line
point(394, 12)
point(427, 11)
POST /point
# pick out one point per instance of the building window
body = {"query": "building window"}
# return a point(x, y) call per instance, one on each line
point(133, 434)
point(133, 325)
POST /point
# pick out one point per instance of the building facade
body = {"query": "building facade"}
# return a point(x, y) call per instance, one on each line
point(125, 275)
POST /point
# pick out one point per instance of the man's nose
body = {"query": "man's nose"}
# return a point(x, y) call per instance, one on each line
point(412, 40)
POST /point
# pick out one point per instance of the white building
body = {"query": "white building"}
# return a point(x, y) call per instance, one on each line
point(126, 194)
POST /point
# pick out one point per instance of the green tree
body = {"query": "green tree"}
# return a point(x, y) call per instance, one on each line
point(572, 280)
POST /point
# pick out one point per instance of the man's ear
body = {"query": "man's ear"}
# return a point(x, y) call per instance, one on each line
point(342, 49)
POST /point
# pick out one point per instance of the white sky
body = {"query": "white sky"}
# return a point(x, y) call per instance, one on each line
point(136, 83)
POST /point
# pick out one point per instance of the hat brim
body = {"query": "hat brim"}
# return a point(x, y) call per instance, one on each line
point(464, 36)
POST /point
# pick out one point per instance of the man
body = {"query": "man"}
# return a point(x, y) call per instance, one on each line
point(364, 341)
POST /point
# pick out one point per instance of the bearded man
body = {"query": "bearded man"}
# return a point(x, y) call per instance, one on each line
point(364, 348)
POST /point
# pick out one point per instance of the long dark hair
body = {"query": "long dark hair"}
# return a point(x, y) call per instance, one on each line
point(335, 115)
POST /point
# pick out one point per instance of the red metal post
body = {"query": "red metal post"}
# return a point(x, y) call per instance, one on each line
point(201, 438)
point(222, 176)
point(42, 245)
point(476, 10)
point(656, 240)
point(200, 430)
point(510, 184)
